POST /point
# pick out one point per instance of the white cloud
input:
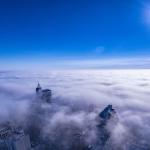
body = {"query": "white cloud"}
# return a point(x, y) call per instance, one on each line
point(78, 97)
point(99, 50)
point(91, 60)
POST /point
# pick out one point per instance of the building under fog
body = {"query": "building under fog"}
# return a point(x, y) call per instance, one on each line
point(44, 94)
point(108, 114)
point(13, 138)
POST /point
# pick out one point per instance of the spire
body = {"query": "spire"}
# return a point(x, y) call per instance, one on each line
point(39, 88)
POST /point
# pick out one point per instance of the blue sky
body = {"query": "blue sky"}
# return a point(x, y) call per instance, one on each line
point(55, 33)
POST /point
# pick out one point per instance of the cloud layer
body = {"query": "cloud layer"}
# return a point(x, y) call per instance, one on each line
point(78, 97)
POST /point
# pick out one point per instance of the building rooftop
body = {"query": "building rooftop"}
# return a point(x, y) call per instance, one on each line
point(44, 94)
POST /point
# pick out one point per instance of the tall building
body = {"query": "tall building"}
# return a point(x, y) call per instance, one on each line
point(38, 88)
point(13, 139)
point(108, 114)
point(107, 117)
point(44, 94)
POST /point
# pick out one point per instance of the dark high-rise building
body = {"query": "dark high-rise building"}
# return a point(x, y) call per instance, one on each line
point(44, 94)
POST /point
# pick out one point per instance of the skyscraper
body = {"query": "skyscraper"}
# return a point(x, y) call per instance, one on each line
point(44, 94)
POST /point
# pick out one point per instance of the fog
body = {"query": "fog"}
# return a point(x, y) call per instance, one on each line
point(78, 96)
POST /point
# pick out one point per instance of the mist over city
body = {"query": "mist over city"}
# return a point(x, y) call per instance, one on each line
point(70, 120)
